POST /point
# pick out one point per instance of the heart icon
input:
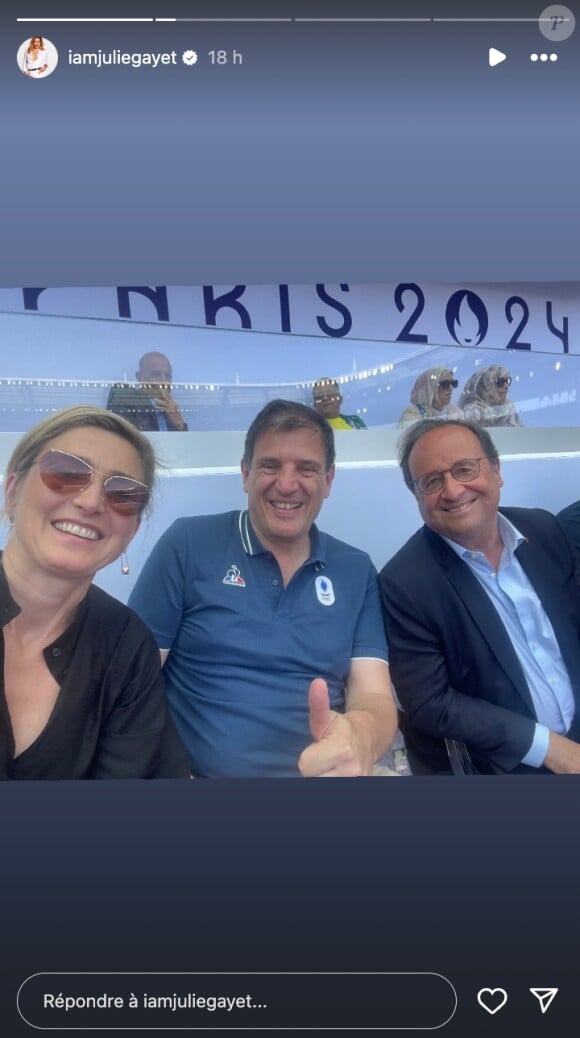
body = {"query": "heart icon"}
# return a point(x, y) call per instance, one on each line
point(492, 999)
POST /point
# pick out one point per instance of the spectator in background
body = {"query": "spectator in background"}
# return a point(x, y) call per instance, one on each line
point(431, 397)
point(484, 398)
point(327, 399)
point(149, 406)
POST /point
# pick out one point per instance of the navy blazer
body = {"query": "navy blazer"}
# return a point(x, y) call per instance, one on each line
point(570, 519)
point(453, 665)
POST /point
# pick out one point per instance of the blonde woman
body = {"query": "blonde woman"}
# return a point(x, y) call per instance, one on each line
point(81, 690)
point(35, 58)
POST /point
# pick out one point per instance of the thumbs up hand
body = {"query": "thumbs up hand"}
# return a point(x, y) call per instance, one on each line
point(334, 751)
point(321, 717)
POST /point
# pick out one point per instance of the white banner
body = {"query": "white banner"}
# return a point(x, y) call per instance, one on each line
point(542, 317)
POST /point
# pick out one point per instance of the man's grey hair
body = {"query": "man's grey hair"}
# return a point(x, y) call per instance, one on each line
point(426, 425)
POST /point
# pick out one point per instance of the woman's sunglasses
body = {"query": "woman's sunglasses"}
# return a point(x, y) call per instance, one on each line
point(503, 381)
point(448, 383)
point(66, 474)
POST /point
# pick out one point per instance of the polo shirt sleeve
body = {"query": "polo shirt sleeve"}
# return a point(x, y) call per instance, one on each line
point(158, 595)
point(369, 640)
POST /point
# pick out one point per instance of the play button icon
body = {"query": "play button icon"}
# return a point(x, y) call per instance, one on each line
point(496, 57)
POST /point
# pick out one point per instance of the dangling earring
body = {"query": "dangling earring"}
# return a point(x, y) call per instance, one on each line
point(124, 565)
point(12, 519)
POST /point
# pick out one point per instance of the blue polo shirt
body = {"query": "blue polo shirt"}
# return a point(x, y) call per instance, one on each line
point(243, 648)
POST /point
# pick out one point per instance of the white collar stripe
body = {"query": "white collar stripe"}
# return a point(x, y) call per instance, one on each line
point(243, 525)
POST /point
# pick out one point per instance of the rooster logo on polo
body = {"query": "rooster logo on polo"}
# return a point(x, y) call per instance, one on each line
point(234, 577)
point(324, 591)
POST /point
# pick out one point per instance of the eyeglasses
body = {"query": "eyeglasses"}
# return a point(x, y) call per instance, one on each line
point(463, 471)
point(328, 396)
point(66, 474)
point(448, 383)
point(507, 381)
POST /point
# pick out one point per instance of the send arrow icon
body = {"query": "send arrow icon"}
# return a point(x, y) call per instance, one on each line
point(496, 57)
point(545, 997)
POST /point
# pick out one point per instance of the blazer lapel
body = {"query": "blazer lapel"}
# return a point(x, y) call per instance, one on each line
point(558, 609)
point(483, 614)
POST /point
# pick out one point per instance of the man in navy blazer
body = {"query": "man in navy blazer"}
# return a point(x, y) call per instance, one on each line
point(482, 613)
point(149, 405)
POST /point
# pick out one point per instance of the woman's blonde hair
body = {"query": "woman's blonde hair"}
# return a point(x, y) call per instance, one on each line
point(29, 448)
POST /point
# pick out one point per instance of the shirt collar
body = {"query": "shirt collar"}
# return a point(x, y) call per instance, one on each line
point(58, 654)
point(253, 546)
point(510, 535)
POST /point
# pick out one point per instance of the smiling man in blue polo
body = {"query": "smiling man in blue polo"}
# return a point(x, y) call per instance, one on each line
point(271, 631)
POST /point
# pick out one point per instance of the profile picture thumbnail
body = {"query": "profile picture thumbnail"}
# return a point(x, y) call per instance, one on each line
point(37, 57)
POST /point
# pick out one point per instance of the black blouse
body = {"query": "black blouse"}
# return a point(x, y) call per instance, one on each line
point(110, 718)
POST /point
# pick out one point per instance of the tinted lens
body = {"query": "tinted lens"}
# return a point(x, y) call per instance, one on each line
point(64, 473)
point(503, 382)
point(449, 383)
point(126, 496)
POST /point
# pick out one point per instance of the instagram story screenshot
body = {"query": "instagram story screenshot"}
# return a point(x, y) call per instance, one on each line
point(290, 491)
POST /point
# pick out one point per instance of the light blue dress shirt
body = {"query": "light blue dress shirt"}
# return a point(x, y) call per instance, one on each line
point(531, 635)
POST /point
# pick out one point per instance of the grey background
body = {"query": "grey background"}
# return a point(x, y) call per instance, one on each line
point(337, 151)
